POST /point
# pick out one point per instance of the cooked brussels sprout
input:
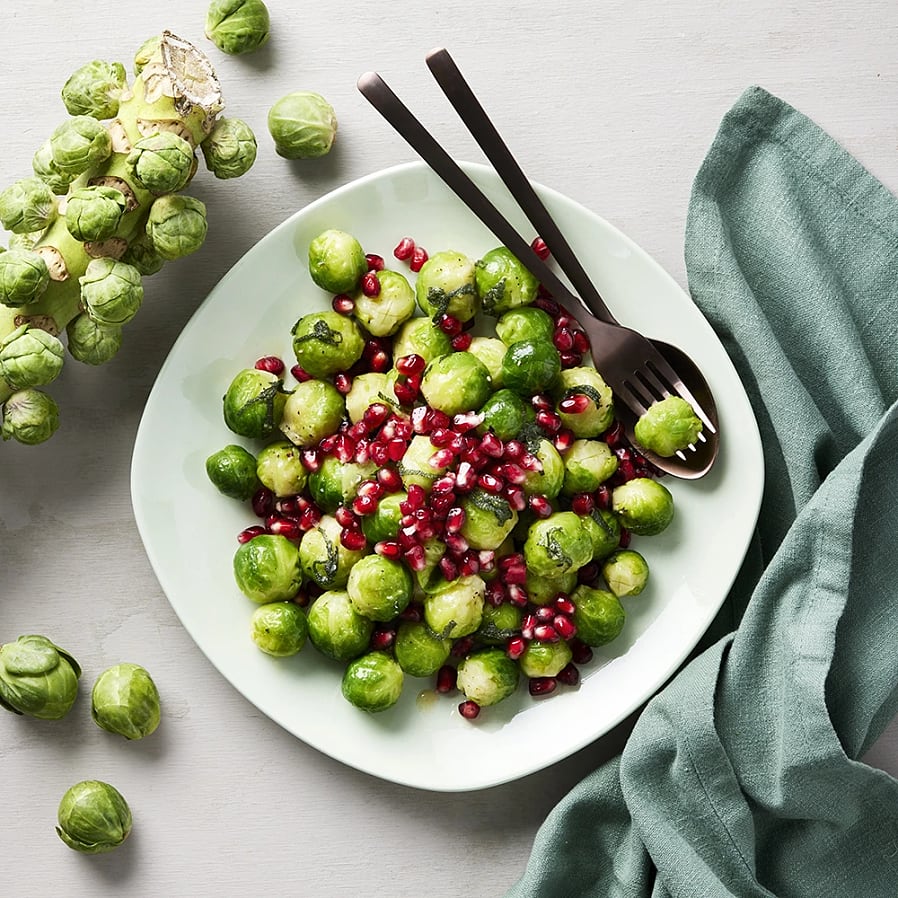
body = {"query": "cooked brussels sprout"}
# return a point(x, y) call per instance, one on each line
point(111, 291)
point(267, 568)
point(529, 323)
point(280, 468)
point(557, 545)
point(420, 336)
point(254, 403)
point(598, 615)
point(373, 682)
point(162, 162)
point(311, 412)
point(543, 590)
point(455, 383)
point(336, 261)
point(504, 413)
point(24, 277)
point(550, 479)
point(93, 817)
point(327, 342)
point(366, 390)
point(499, 623)
point(323, 558)
point(487, 677)
point(445, 286)
point(94, 213)
point(545, 659)
point(668, 427)
point(644, 506)
point(303, 125)
point(455, 608)
point(26, 206)
point(125, 701)
point(238, 26)
point(29, 416)
point(384, 523)
point(603, 528)
point(416, 467)
point(336, 629)
point(232, 471)
point(598, 415)
point(30, 357)
point(530, 366)
point(419, 651)
point(95, 89)
point(79, 144)
point(626, 572)
point(230, 148)
point(503, 283)
point(490, 352)
point(488, 519)
point(379, 587)
point(383, 314)
point(37, 678)
point(335, 482)
point(176, 225)
point(587, 465)
point(279, 628)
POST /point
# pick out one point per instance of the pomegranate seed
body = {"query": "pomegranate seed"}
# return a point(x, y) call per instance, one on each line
point(490, 484)
point(528, 622)
point(441, 437)
point(309, 518)
point(446, 676)
point(389, 479)
point(564, 439)
point(343, 383)
point(541, 403)
point(580, 651)
point(516, 574)
point(515, 496)
point(300, 373)
point(514, 450)
point(588, 573)
point(465, 477)
point(379, 361)
point(374, 262)
point(442, 458)
point(455, 520)
point(379, 453)
point(624, 538)
point(469, 709)
point(352, 539)
point(396, 449)
point(512, 473)
point(456, 543)
point(517, 595)
point(581, 342)
point(411, 364)
point(492, 445)
point(344, 448)
point(575, 404)
point(364, 505)
point(538, 245)
point(569, 675)
point(270, 363)
point(370, 284)
point(376, 414)
point(466, 421)
point(404, 249)
point(345, 517)
point(461, 342)
point(563, 320)
point(382, 639)
point(487, 559)
point(444, 485)
point(603, 496)
point(470, 564)
point(419, 257)
point(463, 646)
point(388, 548)
point(287, 505)
point(570, 359)
point(358, 431)
point(531, 463)
point(545, 614)
point(415, 499)
point(370, 488)
point(564, 627)
point(343, 304)
point(450, 325)
point(250, 533)
point(327, 445)
point(474, 457)
point(563, 339)
point(564, 604)
point(404, 392)
point(437, 418)
point(515, 647)
point(263, 502)
point(548, 421)
point(582, 503)
point(542, 685)
point(448, 568)
point(419, 418)
point(416, 558)
point(540, 506)
point(495, 593)
point(547, 304)
point(545, 633)
point(412, 612)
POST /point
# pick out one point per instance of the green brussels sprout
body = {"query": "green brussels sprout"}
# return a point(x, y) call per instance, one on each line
point(419, 651)
point(26, 206)
point(37, 678)
point(382, 315)
point(487, 677)
point(416, 467)
point(79, 144)
point(488, 519)
point(125, 701)
point(557, 544)
point(598, 615)
point(545, 659)
point(379, 587)
point(176, 225)
point(420, 336)
point(238, 26)
point(254, 403)
point(336, 261)
point(504, 413)
point(323, 558)
point(142, 255)
point(445, 286)
point(336, 629)
point(604, 531)
point(30, 417)
point(145, 52)
point(587, 465)
point(530, 366)
point(93, 817)
point(550, 479)
point(24, 277)
point(230, 148)
point(30, 357)
point(279, 629)
point(311, 412)
point(232, 471)
point(626, 572)
point(94, 213)
point(528, 323)
point(45, 168)
point(503, 283)
point(490, 352)
point(455, 608)
point(95, 89)
point(111, 291)
point(279, 467)
point(668, 427)
point(267, 568)
point(162, 162)
point(303, 125)
point(92, 343)
point(455, 383)
point(543, 590)
point(335, 482)
point(598, 415)
point(384, 522)
point(499, 623)
point(373, 682)
point(643, 505)
point(326, 342)
point(366, 390)
point(430, 576)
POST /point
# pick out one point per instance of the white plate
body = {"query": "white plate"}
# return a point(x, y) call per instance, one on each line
point(189, 530)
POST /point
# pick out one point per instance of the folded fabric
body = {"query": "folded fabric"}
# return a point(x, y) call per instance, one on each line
point(742, 776)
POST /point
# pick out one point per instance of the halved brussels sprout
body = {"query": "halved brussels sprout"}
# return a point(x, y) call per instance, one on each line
point(232, 471)
point(373, 682)
point(279, 629)
point(644, 506)
point(379, 587)
point(419, 651)
point(336, 628)
point(598, 615)
point(325, 343)
point(445, 286)
point(487, 677)
point(267, 568)
point(503, 283)
point(311, 412)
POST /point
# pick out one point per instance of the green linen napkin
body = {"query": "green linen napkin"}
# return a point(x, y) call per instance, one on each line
point(742, 776)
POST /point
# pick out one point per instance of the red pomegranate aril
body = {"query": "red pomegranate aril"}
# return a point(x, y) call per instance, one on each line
point(531, 463)
point(270, 363)
point(250, 533)
point(418, 258)
point(582, 503)
point(436, 418)
point(563, 320)
point(545, 614)
point(443, 485)
point(412, 612)
point(569, 675)
point(575, 404)
point(564, 605)
point(495, 593)
point(287, 505)
point(343, 383)
point(379, 362)
point(370, 284)
point(514, 450)
point(564, 626)
point(512, 473)
point(470, 564)
point(374, 262)
point(528, 622)
point(352, 539)
point(474, 457)
point(345, 517)
point(396, 449)
point(416, 497)
point(416, 558)
point(404, 391)
point(344, 448)
point(442, 458)
point(588, 573)
point(343, 304)
point(545, 633)
point(540, 506)
point(541, 403)
point(539, 246)
point(328, 444)
point(546, 303)
point(449, 324)
point(370, 488)
point(515, 496)
point(548, 421)
point(404, 249)
point(456, 543)
point(515, 647)
point(382, 639)
point(284, 527)
point(376, 414)
point(624, 538)
point(358, 431)
point(309, 518)
point(564, 439)
point(461, 342)
point(388, 548)
point(462, 647)
point(379, 453)
point(602, 496)
point(466, 421)
point(490, 484)
point(517, 595)
point(492, 445)
point(542, 685)
point(487, 558)
point(465, 477)
point(455, 520)
point(448, 568)
point(389, 479)
point(469, 709)
point(570, 359)
point(300, 373)
point(581, 653)
point(364, 505)
point(615, 436)
point(516, 574)
point(419, 419)
point(563, 339)
point(581, 342)
point(441, 437)
point(263, 502)
point(410, 364)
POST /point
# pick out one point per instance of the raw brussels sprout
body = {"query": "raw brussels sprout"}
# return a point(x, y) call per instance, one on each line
point(327, 342)
point(37, 678)
point(232, 471)
point(529, 323)
point(93, 817)
point(503, 283)
point(26, 206)
point(488, 519)
point(323, 558)
point(29, 416)
point(176, 225)
point(419, 651)
point(254, 403)
point(79, 144)
point(499, 623)
point(162, 162)
point(420, 336)
point(598, 615)
point(550, 479)
point(335, 482)
point(625, 572)
point(487, 677)
point(303, 125)
point(111, 291)
point(668, 427)
point(644, 506)
point(587, 465)
point(604, 531)
point(145, 52)
point(455, 608)
point(598, 416)
point(230, 148)
point(366, 390)
point(95, 89)
point(455, 383)
point(379, 587)
point(445, 286)
point(24, 277)
point(530, 366)
point(280, 468)
point(143, 256)
point(384, 523)
point(373, 682)
point(311, 412)
point(336, 628)
point(383, 314)
point(545, 659)
point(543, 590)
point(267, 568)
point(94, 213)
point(238, 26)
point(279, 628)
point(416, 468)
point(557, 545)
point(336, 261)
point(504, 413)
point(44, 167)
point(490, 352)
point(30, 357)
point(125, 701)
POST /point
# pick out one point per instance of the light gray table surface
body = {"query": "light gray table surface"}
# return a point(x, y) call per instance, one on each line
point(614, 103)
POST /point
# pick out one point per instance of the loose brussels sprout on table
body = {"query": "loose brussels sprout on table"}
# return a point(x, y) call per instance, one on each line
point(37, 678)
point(303, 125)
point(238, 26)
point(93, 817)
point(125, 701)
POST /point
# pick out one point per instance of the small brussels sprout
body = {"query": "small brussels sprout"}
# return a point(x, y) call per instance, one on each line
point(626, 572)
point(499, 623)
point(455, 383)
point(92, 343)
point(267, 568)
point(455, 608)
point(598, 415)
point(326, 342)
point(487, 677)
point(366, 390)
point(238, 26)
point(311, 412)
point(95, 89)
point(382, 315)
point(79, 144)
point(176, 225)
point(279, 467)
point(503, 283)
point(94, 213)
point(491, 352)
point(30, 357)
point(335, 482)
point(543, 590)
point(145, 52)
point(545, 659)
point(29, 416)
point(323, 558)
point(668, 427)
point(528, 323)
point(504, 413)
point(143, 256)
point(644, 506)
point(125, 701)
point(416, 468)
point(162, 162)
point(445, 286)
point(93, 817)
point(587, 465)
point(26, 206)
point(420, 336)
point(336, 261)
point(598, 615)
point(37, 678)
point(253, 404)
point(550, 479)
point(279, 629)
point(232, 471)
point(373, 682)
point(111, 291)
point(557, 544)
point(230, 148)
point(336, 629)
point(530, 366)
point(384, 522)
point(303, 125)
point(419, 651)
point(488, 519)
point(44, 167)
point(379, 587)
point(604, 531)
point(24, 277)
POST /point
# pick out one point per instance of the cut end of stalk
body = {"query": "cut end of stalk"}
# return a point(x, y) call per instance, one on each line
point(192, 76)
